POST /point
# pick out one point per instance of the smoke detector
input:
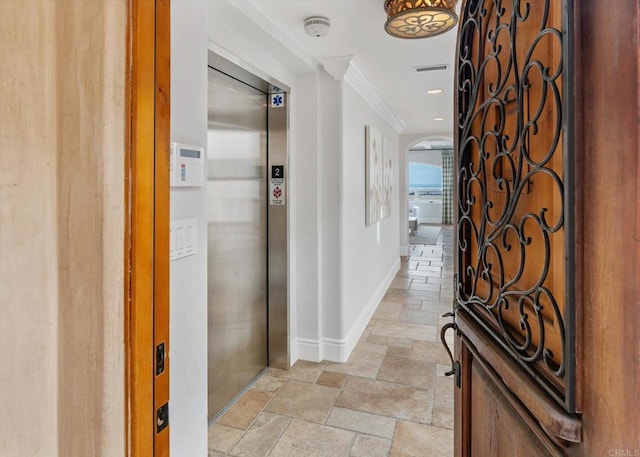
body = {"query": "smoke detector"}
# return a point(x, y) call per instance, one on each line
point(317, 26)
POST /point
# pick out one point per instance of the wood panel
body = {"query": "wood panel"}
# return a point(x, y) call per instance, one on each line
point(607, 121)
point(161, 213)
point(489, 420)
point(604, 123)
point(511, 194)
point(147, 251)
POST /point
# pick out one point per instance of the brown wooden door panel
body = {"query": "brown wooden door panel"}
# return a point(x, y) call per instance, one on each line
point(514, 289)
point(547, 149)
point(511, 194)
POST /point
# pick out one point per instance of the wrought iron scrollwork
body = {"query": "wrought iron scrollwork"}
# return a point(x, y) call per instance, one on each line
point(511, 144)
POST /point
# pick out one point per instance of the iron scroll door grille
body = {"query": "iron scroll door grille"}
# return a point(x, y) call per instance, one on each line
point(514, 201)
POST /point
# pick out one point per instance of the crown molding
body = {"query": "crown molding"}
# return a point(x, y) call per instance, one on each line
point(357, 80)
point(346, 68)
point(342, 68)
point(337, 67)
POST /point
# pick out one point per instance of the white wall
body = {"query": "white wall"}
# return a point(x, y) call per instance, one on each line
point(305, 172)
point(326, 308)
point(188, 318)
point(429, 156)
point(329, 200)
point(369, 254)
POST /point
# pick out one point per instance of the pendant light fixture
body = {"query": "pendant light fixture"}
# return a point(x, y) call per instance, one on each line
point(419, 18)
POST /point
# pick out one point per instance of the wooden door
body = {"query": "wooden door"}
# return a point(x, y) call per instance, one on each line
point(147, 231)
point(529, 315)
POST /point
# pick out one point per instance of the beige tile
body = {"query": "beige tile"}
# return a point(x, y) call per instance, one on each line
point(390, 341)
point(442, 417)
point(434, 270)
point(370, 446)
point(213, 453)
point(261, 437)
point(442, 369)
point(246, 409)
point(223, 438)
point(413, 307)
point(361, 363)
point(402, 300)
point(304, 439)
point(420, 317)
point(443, 395)
point(418, 440)
point(418, 275)
point(302, 371)
point(398, 294)
point(437, 280)
point(416, 373)
point(358, 421)
point(388, 311)
point(406, 330)
point(388, 399)
point(331, 379)
point(276, 372)
point(399, 283)
point(269, 383)
point(426, 287)
point(430, 352)
point(397, 351)
point(365, 346)
point(306, 401)
point(370, 325)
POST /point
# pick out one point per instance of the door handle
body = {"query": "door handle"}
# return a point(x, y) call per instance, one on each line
point(455, 365)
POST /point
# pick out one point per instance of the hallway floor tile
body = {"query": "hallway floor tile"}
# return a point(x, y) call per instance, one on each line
point(390, 399)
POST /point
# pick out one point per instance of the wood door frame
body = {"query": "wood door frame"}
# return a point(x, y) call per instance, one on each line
point(147, 224)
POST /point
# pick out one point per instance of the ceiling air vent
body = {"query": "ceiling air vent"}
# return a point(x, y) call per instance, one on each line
point(442, 66)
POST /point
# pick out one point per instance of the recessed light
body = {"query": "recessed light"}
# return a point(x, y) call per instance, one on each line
point(438, 118)
point(434, 91)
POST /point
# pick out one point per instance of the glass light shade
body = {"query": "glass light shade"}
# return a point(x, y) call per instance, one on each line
point(419, 18)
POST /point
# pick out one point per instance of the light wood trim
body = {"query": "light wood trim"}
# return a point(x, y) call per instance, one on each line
point(146, 206)
point(161, 215)
point(518, 387)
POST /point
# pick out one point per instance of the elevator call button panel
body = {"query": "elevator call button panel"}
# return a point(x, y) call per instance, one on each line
point(186, 165)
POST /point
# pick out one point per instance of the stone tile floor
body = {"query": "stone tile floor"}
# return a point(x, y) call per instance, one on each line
point(389, 399)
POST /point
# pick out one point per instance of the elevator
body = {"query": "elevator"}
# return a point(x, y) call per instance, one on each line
point(246, 230)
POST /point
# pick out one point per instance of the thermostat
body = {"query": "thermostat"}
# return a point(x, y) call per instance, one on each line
point(187, 165)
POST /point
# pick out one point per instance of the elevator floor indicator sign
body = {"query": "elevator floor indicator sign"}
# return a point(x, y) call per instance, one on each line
point(276, 196)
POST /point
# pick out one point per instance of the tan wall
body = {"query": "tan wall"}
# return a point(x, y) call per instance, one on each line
point(62, 77)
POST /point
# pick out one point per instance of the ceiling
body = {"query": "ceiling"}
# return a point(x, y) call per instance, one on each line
point(357, 28)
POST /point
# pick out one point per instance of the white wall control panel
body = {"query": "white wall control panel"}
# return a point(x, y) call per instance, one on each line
point(187, 165)
point(183, 238)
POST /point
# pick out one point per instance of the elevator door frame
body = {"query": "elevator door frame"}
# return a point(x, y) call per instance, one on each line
point(277, 216)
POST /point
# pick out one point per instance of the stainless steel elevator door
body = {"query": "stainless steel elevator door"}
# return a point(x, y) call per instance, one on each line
point(237, 237)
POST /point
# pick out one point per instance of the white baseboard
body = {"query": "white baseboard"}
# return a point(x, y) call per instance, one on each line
point(307, 349)
point(335, 350)
point(365, 316)
point(404, 250)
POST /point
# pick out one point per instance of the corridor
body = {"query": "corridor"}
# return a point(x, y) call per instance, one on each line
point(390, 399)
